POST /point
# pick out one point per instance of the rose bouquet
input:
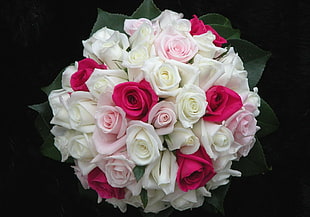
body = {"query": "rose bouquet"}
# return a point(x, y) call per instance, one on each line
point(161, 112)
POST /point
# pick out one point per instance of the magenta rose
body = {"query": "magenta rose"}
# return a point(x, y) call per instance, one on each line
point(136, 99)
point(222, 103)
point(198, 27)
point(195, 170)
point(97, 180)
point(85, 69)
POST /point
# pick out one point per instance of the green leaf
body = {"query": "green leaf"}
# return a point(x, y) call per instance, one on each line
point(267, 120)
point(216, 201)
point(253, 57)
point(56, 84)
point(214, 18)
point(146, 10)
point(253, 164)
point(111, 20)
point(43, 126)
point(138, 171)
point(226, 31)
point(144, 198)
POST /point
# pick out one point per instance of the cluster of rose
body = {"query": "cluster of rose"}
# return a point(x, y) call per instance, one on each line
point(154, 118)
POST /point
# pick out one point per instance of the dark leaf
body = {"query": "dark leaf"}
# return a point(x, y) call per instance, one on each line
point(144, 198)
point(146, 10)
point(214, 18)
point(253, 57)
point(110, 20)
point(216, 201)
point(138, 171)
point(254, 163)
point(267, 120)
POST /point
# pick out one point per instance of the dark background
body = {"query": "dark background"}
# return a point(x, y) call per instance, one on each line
point(39, 38)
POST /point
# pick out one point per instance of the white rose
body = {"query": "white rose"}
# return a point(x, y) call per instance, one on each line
point(155, 203)
point(163, 76)
point(189, 74)
point(58, 102)
point(80, 146)
point(222, 175)
point(144, 36)
point(134, 61)
point(81, 109)
point(167, 18)
point(210, 71)
point(235, 77)
point(102, 81)
point(107, 46)
point(191, 105)
point(205, 45)
point(61, 137)
point(181, 200)
point(183, 139)
point(162, 174)
point(66, 76)
point(232, 58)
point(132, 25)
point(215, 138)
point(143, 143)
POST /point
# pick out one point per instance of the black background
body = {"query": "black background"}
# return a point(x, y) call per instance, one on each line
point(39, 38)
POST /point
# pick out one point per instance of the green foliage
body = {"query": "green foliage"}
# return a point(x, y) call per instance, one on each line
point(253, 57)
point(112, 21)
point(147, 10)
point(267, 120)
point(254, 163)
point(138, 171)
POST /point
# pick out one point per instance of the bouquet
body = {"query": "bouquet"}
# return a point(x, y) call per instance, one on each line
point(161, 112)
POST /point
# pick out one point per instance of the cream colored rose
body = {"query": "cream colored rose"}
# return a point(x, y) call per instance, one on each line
point(143, 143)
point(183, 139)
point(106, 46)
point(163, 76)
point(81, 109)
point(191, 105)
point(102, 81)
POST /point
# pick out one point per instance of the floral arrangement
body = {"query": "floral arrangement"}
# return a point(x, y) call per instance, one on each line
point(161, 112)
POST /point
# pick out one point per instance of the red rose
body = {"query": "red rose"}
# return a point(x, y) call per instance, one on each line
point(222, 103)
point(136, 99)
point(195, 170)
point(85, 69)
point(98, 181)
point(198, 28)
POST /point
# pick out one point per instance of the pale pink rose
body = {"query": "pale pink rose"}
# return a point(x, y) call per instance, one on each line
point(172, 44)
point(243, 127)
point(109, 133)
point(162, 116)
point(118, 169)
point(132, 25)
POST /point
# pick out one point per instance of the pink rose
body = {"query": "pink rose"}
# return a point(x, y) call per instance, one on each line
point(222, 103)
point(162, 116)
point(85, 69)
point(195, 170)
point(118, 168)
point(198, 28)
point(97, 180)
point(136, 99)
point(109, 133)
point(171, 44)
point(243, 127)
